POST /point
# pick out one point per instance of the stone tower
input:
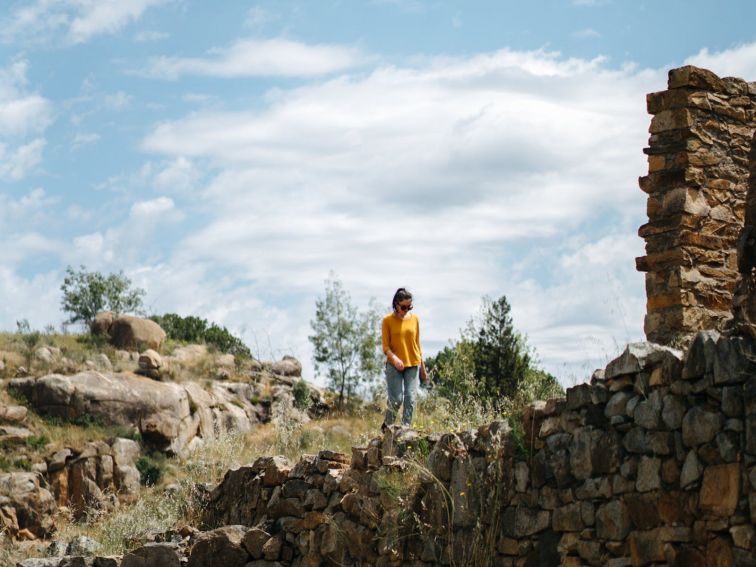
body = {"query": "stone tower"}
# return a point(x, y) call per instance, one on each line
point(699, 162)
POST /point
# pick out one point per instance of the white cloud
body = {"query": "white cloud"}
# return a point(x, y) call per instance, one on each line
point(80, 20)
point(152, 208)
point(35, 298)
point(23, 117)
point(259, 57)
point(26, 209)
point(739, 61)
point(85, 138)
point(24, 158)
point(180, 175)
point(455, 177)
point(105, 16)
point(21, 113)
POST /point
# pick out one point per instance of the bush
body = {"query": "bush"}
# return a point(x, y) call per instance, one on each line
point(150, 470)
point(37, 442)
point(192, 329)
point(301, 393)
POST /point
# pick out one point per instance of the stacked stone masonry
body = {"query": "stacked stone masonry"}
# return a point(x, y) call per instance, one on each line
point(699, 160)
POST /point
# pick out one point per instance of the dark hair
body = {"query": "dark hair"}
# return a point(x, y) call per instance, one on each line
point(400, 295)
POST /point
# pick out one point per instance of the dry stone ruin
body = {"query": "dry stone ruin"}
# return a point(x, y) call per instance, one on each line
point(700, 165)
point(651, 463)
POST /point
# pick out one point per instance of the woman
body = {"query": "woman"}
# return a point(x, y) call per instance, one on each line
point(400, 335)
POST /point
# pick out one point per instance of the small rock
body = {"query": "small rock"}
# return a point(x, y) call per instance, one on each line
point(691, 470)
point(12, 414)
point(153, 555)
point(83, 545)
point(648, 474)
point(222, 546)
point(645, 356)
point(613, 521)
point(102, 361)
point(150, 363)
point(44, 354)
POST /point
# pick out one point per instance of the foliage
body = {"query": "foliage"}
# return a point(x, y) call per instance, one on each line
point(501, 357)
point(491, 363)
point(151, 470)
point(345, 341)
point(37, 442)
point(192, 329)
point(301, 393)
point(85, 294)
point(10, 463)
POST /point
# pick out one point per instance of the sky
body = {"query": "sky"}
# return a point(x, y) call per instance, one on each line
point(229, 157)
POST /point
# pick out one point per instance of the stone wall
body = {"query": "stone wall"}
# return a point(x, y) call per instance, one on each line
point(654, 462)
point(698, 171)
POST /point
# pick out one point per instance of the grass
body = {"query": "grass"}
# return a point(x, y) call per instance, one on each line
point(159, 509)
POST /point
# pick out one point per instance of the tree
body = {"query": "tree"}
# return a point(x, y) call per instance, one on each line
point(345, 341)
point(491, 362)
point(501, 357)
point(85, 294)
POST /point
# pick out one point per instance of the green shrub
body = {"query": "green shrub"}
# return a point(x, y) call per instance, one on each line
point(150, 470)
point(37, 442)
point(193, 329)
point(11, 464)
point(301, 393)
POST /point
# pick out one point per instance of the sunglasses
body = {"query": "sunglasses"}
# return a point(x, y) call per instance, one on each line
point(405, 307)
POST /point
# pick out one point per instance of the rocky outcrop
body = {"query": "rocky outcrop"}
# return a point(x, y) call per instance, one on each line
point(93, 480)
point(128, 332)
point(26, 504)
point(171, 417)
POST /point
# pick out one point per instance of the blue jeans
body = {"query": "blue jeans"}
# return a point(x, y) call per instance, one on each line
point(401, 387)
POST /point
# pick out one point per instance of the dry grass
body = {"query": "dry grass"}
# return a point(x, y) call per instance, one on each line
point(160, 509)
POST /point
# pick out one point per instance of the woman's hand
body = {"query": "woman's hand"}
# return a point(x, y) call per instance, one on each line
point(398, 364)
point(423, 374)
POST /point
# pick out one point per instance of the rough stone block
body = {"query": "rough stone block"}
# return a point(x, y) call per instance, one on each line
point(613, 521)
point(720, 490)
point(700, 426)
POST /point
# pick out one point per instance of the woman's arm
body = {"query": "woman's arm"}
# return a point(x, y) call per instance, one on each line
point(423, 370)
point(386, 341)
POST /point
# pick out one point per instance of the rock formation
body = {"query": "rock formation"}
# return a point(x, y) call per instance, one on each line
point(170, 416)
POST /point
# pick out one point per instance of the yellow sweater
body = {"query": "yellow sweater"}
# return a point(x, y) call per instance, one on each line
point(402, 337)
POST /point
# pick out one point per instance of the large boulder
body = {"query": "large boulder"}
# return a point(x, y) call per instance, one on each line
point(136, 333)
point(102, 322)
point(169, 415)
point(128, 332)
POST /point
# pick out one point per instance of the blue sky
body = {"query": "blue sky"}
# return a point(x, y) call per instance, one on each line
point(228, 159)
